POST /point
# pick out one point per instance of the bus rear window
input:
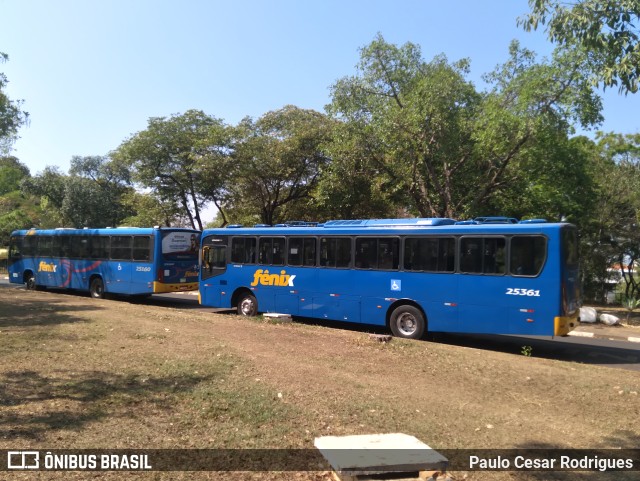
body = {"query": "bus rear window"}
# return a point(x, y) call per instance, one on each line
point(180, 245)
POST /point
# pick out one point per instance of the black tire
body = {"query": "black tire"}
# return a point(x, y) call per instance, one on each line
point(407, 322)
point(96, 289)
point(30, 282)
point(247, 305)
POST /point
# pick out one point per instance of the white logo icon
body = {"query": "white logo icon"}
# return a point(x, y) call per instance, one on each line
point(23, 460)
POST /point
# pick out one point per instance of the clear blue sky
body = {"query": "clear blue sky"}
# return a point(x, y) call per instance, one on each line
point(91, 72)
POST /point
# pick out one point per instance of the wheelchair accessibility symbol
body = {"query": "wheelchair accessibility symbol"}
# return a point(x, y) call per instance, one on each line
point(396, 285)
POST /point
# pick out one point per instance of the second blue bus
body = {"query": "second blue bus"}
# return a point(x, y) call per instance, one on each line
point(131, 261)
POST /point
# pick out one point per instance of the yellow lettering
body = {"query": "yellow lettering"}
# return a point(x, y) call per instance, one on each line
point(256, 277)
point(44, 267)
point(263, 278)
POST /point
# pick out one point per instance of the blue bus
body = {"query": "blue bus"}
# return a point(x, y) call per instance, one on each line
point(130, 260)
point(490, 275)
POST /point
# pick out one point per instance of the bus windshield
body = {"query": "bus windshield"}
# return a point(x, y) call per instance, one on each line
point(180, 245)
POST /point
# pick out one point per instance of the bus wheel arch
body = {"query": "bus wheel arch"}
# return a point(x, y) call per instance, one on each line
point(407, 319)
point(96, 287)
point(29, 279)
point(245, 302)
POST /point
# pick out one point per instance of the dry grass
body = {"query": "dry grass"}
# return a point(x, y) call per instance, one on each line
point(79, 373)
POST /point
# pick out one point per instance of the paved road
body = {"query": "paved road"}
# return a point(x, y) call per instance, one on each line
point(594, 351)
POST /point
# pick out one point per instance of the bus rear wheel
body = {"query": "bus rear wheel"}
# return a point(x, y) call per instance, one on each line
point(408, 322)
point(96, 289)
point(247, 305)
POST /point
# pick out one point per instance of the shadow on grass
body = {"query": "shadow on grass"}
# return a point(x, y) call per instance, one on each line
point(34, 404)
point(42, 312)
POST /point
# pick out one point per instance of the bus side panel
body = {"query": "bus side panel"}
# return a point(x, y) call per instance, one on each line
point(142, 277)
point(481, 310)
point(210, 294)
point(287, 303)
point(44, 271)
point(437, 294)
point(117, 277)
point(18, 268)
point(532, 305)
point(338, 298)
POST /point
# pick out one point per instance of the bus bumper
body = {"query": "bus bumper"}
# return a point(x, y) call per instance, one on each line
point(159, 287)
point(563, 325)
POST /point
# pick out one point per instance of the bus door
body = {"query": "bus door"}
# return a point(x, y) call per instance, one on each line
point(482, 280)
point(213, 287)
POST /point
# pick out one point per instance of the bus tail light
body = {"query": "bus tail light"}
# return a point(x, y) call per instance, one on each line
point(160, 274)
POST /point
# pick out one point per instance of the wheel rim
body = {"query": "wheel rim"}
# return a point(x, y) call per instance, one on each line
point(31, 282)
point(98, 289)
point(407, 324)
point(247, 306)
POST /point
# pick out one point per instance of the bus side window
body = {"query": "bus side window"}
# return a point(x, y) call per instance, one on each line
point(309, 252)
point(302, 251)
point(335, 252)
point(15, 248)
point(80, 247)
point(142, 248)
point(366, 250)
point(45, 244)
point(243, 250)
point(65, 246)
point(121, 247)
point(528, 255)
point(100, 247)
point(271, 251)
point(29, 246)
point(388, 254)
point(214, 257)
point(482, 255)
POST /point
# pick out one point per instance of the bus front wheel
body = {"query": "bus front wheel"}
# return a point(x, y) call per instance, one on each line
point(247, 305)
point(96, 289)
point(408, 322)
point(30, 282)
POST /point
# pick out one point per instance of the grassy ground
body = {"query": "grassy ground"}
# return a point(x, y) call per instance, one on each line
point(79, 373)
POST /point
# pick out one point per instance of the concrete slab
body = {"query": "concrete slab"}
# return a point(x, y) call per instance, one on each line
point(378, 454)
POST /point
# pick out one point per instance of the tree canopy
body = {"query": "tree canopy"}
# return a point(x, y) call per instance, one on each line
point(438, 147)
point(12, 117)
point(605, 31)
point(181, 159)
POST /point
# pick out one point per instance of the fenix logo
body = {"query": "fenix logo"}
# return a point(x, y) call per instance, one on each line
point(44, 267)
point(263, 278)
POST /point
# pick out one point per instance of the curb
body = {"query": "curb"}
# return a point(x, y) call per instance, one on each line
point(604, 336)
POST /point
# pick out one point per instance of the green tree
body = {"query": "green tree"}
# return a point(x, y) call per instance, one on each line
point(612, 235)
point(436, 146)
point(149, 210)
point(182, 159)
point(12, 117)
point(90, 196)
point(278, 160)
point(606, 31)
point(12, 172)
